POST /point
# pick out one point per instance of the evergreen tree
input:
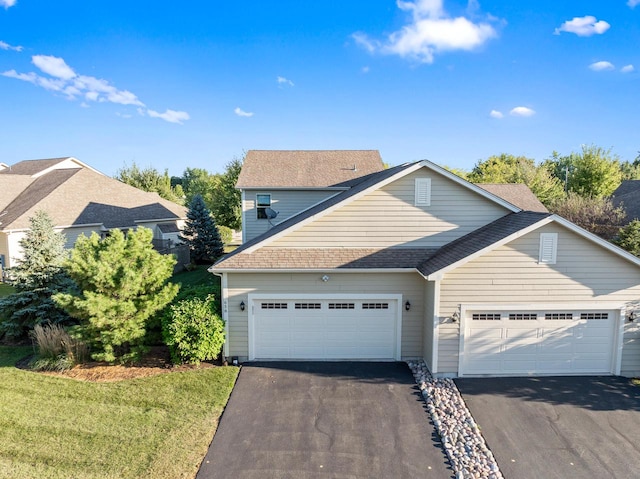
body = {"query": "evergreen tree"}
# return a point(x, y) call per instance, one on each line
point(121, 282)
point(629, 238)
point(38, 276)
point(201, 233)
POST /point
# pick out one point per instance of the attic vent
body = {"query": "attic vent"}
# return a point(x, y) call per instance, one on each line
point(548, 248)
point(423, 192)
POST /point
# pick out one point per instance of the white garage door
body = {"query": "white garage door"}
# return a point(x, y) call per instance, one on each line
point(324, 328)
point(537, 342)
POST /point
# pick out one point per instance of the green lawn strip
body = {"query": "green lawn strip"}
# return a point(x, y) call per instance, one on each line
point(6, 290)
point(158, 427)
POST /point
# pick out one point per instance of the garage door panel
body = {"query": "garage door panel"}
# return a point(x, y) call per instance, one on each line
point(325, 329)
point(524, 343)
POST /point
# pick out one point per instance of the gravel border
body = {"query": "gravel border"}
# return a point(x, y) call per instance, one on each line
point(466, 449)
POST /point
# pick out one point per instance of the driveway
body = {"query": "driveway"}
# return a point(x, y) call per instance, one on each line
point(325, 419)
point(558, 427)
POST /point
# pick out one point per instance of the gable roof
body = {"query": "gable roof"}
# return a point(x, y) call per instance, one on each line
point(517, 194)
point(306, 168)
point(627, 195)
point(78, 196)
point(31, 167)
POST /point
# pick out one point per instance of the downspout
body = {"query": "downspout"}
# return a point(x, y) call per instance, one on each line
point(225, 311)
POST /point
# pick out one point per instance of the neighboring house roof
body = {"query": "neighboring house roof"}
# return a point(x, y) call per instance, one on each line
point(32, 167)
point(78, 196)
point(169, 228)
point(627, 195)
point(517, 194)
point(306, 169)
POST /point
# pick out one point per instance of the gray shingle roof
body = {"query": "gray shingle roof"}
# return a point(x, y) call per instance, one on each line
point(480, 239)
point(306, 169)
point(31, 167)
point(627, 195)
point(517, 194)
point(328, 258)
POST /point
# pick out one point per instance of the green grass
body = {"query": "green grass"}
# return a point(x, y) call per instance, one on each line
point(198, 277)
point(156, 427)
point(6, 290)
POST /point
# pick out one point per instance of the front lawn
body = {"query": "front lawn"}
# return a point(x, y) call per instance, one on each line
point(154, 427)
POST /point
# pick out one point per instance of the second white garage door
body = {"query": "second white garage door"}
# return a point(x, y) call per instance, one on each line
point(324, 328)
point(521, 342)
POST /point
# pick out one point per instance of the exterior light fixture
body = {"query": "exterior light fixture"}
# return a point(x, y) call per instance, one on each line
point(325, 278)
point(407, 306)
point(242, 305)
point(632, 316)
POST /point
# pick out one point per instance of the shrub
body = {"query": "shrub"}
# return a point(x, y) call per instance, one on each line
point(57, 350)
point(193, 331)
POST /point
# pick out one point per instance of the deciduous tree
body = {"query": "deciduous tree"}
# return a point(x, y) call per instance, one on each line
point(149, 179)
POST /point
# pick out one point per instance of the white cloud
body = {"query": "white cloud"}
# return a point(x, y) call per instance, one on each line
point(430, 31)
point(6, 46)
point(62, 78)
point(7, 3)
point(365, 69)
point(628, 68)
point(54, 66)
point(171, 116)
point(238, 111)
point(601, 66)
point(284, 81)
point(522, 111)
point(583, 26)
point(496, 114)
point(633, 3)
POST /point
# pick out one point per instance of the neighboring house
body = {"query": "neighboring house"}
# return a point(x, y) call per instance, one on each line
point(627, 195)
point(415, 262)
point(288, 182)
point(80, 200)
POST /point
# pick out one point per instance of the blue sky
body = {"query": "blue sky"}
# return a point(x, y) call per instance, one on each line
point(195, 84)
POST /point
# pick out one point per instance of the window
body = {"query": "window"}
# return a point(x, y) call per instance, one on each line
point(262, 203)
point(558, 316)
point(274, 306)
point(375, 305)
point(341, 305)
point(594, 315)
point(308, 306)
point(423, 192)
point(523, 316)
point(486, 317)
point(548, 248)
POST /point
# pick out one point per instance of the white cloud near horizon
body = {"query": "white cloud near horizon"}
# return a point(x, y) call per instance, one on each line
point(496, 114)
point(6, 46)
point(583, 26)
point(602, 66)
point(284, 81)
point(633, 3)
point(63, 79)
point(7, 3)
point(522, 111)
point(628, 68)
point(429, 32)
point(240, 112)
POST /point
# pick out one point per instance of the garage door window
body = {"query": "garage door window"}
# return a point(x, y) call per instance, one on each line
point(558, 316)
point(486, 317)
point(523, 316)
point(375, 305)
point(274, 305)
point(342, 305)
point(594, 315)
point(308, 306)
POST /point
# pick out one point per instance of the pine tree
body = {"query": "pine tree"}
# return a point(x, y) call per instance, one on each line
point(201, 233)
point(38, 276)
point(121, 282)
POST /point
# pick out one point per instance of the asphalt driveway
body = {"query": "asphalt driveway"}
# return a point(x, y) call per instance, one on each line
point(558, 427)
point(325, 419)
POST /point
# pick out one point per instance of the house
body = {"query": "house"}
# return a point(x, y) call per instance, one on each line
point(80, 200)
point(627, 196)
point(415, 262)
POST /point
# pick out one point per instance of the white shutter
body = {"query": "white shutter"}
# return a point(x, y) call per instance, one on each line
point(548, 248)
point(423, 192)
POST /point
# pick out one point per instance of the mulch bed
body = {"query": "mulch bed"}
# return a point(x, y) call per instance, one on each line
point(156, 361)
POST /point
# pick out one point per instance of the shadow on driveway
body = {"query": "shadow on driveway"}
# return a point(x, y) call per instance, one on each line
point(558, 427)
point(325, 419)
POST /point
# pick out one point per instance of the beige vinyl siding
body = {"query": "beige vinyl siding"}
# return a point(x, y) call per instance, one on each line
point(631, 349)
point(286, 203)
point(4, 249)
point(584, 273)
point(388, 217)
point(410, 285)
